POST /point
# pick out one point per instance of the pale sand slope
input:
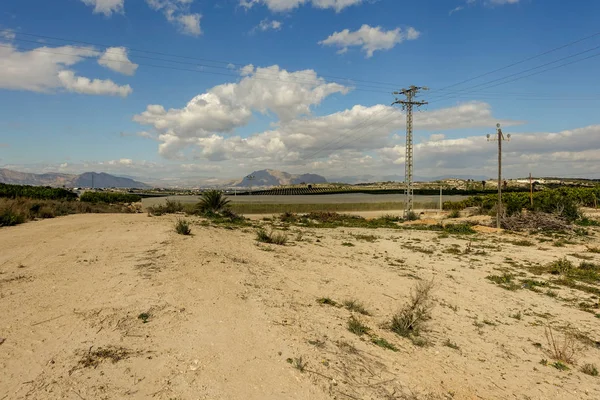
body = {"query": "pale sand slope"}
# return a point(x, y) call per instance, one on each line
point(226, 313)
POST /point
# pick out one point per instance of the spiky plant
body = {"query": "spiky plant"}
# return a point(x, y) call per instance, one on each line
point(213, 200)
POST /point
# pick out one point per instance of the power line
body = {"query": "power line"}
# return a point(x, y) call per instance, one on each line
point(525, 71)
point(521, 61)
point(527, 76)
point(226, 63)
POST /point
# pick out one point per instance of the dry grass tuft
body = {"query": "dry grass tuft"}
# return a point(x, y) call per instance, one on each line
point(355, 305)
point(412, 317)
point(565, 350)
point(278, 238)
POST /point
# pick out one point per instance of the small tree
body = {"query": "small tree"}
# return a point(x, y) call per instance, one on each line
point(213, 200)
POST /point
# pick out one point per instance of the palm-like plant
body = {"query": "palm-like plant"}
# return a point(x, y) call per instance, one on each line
point(213, 200)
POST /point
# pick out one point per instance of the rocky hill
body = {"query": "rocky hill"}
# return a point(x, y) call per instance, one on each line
point(100, 180)
point(271, 177)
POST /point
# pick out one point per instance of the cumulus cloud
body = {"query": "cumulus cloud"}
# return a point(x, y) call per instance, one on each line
point(370, 39)
point(116, 59)
point(225, 107)
point(47, 69)
point(106, 7)
point(287, 5)
point(178, 12)
point(79, 84)
point(266, 25)
point(544, 154)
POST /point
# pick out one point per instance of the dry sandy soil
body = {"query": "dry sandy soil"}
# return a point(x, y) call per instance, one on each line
point(229, 318)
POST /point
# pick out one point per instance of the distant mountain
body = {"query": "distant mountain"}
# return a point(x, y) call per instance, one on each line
point(400, 178)
point(271, 177)
point(100, 180)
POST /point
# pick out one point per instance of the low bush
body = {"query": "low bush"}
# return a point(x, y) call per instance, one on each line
point(183, 227)
point(170, 207)
point(20, 210)
point(278, 238)
point(411, 319)
point(35, 192)
point(454, 214)
point(109, 197)
point(459, 229)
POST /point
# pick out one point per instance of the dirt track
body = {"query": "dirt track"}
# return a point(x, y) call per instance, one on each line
point(225, 314)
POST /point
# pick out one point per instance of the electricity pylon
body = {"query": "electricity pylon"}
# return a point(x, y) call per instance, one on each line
point(407, 105)
point(500, 138)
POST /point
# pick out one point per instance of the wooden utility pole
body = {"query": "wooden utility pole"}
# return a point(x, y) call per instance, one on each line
point(500, 138)
point(407, 105)
point(531, 190)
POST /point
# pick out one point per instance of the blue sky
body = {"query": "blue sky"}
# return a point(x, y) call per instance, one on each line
point(289, 110)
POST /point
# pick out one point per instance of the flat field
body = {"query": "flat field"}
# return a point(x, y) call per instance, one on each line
point(119, 306)
point(334, 202)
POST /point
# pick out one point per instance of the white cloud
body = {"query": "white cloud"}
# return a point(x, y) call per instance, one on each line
point(116, 59)
point(37, 70)
point(488, 3)
point(178, 12)
point(79, 84)
point(569, 152)
point(226, 107)
point(293, 140)
point(266, 25)
point(287, 5)
point(502, 2)
point(106, 7)
point(456, 9)
point(45, 69)
point(370, 39)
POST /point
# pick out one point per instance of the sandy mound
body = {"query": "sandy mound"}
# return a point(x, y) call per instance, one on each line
point(121, 307)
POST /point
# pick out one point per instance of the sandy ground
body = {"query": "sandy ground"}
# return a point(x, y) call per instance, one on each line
point(226, 313)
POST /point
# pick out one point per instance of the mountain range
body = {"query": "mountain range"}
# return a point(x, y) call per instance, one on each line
point(87, 179)
point(271, 177)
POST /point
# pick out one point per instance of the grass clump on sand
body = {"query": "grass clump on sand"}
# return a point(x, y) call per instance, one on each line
point(590, 369)
point(357, 306)
point(272, 237)
point(183, 227)
point(459, 229)
point(411, 319)
point(381, 342)
point(327, 301)
point(357, 327)
point(505, 281)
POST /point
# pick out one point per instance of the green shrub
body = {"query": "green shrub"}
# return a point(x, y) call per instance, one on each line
point(183, 227)
point(8, 217)
point(213, 200)
point(459, 229)
point(109, 197)
point(454, 214)
point(412, 216)
point(357, 327)
point(35, 192)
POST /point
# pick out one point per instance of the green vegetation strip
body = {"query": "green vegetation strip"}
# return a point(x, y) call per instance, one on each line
point(260, 208)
